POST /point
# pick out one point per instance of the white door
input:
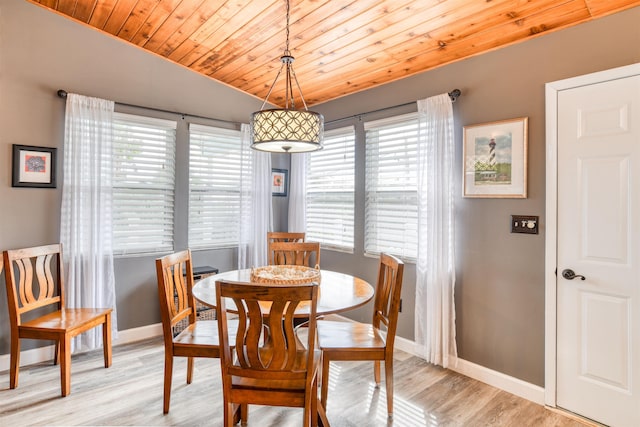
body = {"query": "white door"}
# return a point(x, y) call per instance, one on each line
point(598, 237)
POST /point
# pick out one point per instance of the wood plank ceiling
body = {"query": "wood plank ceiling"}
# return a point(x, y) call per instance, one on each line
point(340, 46)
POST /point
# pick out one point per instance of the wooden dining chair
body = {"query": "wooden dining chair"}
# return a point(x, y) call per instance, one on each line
point(359, 341)
point(200, 337)
point(270, 364)
point(35, 279)
point(294, 253)
point(284, 236)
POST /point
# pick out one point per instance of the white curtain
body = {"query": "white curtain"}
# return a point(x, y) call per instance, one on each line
point(256, 217)
point(297, 193)
point(86, 224)
point(435, 268)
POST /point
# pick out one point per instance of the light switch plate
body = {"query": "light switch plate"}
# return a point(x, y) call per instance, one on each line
point(527, 224)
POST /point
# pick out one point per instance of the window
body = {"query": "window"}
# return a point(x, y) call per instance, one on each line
point(330, 191)
point(143, 184)
point(215, 165)
point(391, 189)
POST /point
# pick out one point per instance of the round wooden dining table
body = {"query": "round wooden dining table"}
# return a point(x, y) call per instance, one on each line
point(338, 292)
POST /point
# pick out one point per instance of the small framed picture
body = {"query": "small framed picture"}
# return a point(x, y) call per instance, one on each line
point(279, 182)
point(495, 159)
point(34, 166)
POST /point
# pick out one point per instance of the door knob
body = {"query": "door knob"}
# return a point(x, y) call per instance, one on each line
point(570, 275)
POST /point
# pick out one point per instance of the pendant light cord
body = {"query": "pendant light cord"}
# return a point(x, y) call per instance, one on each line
point(290, 75)
point(286, 50)
point(288, 96)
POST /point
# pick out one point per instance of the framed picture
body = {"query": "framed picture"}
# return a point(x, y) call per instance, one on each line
point(34, 166)
point(279, 181)
point(495, 159)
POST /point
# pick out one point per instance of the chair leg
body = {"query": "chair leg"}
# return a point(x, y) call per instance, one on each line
point(322, 417)
point(106, 340)
point(189, 369)
point(65, 364)
point(388, 378)
point(244, 414)
point(229, 409)
point(312, 399)
point(324, 384)
point(235, 414)
point(15, 360)
point(307, 415)
point(56, 353)
point(376, 372)
point(168, 373)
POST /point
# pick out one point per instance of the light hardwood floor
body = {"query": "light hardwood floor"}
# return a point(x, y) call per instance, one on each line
point(130, 393)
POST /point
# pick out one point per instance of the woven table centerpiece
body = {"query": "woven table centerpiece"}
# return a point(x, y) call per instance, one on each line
point(285, 274)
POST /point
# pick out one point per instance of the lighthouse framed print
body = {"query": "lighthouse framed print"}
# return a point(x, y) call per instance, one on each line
point(34, 166)
point(495, 159)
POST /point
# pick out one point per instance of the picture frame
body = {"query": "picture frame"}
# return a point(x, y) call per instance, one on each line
point(279, 182)
point(495, 159)
point(33, 166)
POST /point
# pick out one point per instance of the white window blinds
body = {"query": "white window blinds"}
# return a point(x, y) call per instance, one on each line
point(214, 186)
point(391, 213)
point(330, 191)
point(143, 184)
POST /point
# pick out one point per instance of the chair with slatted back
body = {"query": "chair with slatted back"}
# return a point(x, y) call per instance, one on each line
point(359, 341)
point(270, 365)
point(200, 337)
point(284, 236)
point(294, 253)
point(35, 281)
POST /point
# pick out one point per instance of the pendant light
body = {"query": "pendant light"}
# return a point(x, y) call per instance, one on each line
point(287, 130)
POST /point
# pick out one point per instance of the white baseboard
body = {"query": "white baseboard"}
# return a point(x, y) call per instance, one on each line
point(137, 334)
point(510, 384)
point(496, 379)
point(28, 357)
point(42, 354)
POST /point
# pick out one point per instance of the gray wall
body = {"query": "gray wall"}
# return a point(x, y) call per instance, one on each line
point(41, 52)
point(500, 276)
point(500, 286)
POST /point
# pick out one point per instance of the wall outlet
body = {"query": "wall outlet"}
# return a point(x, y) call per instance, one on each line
point(527, 224)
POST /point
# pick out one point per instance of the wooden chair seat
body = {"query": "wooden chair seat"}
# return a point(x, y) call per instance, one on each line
point(273, 384)
point(351, 336)
point(201, 334)
point(68, 320)
point(32, 284)
point(292, 392)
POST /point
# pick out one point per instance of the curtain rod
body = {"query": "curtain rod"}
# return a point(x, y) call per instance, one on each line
point(63, 94)
point(454, 94)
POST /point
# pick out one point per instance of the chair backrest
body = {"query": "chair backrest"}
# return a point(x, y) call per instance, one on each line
point(284, 236)
point(39, 281)
point(388, 292)
point(266, 344)
point(175, 284)
point(294, 253)
point(281, 236)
